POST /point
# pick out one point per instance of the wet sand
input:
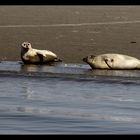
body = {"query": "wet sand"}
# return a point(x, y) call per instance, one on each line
point(72, 32)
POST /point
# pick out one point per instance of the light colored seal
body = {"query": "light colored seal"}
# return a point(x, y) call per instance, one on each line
point(35, 56)
point(112, 61)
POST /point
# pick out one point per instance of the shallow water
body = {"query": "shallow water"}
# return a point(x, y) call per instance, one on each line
point(68, 99)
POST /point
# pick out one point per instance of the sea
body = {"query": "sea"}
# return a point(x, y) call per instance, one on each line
point(67, 98)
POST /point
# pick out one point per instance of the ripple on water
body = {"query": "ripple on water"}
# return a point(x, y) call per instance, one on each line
point(68, 98)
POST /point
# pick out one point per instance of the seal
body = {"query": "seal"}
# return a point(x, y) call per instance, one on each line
point(35, 56)
point(112, 61)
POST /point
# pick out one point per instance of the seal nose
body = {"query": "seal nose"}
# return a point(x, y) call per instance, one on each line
point(85, 59)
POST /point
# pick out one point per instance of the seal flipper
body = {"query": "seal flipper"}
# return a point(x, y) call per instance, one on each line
point(40, 57)
point(108, 62)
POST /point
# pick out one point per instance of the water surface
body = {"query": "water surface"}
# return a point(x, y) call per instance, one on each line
point(68, 99)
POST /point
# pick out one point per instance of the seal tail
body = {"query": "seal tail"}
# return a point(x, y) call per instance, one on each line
point(57, 60)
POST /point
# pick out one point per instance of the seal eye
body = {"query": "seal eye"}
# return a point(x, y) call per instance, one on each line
point(92, 56)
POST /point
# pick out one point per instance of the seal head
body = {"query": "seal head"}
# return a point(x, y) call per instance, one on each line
point(90, 60)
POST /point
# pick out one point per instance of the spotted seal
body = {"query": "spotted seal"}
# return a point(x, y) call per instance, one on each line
point(112, 61)
point(30, 55)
